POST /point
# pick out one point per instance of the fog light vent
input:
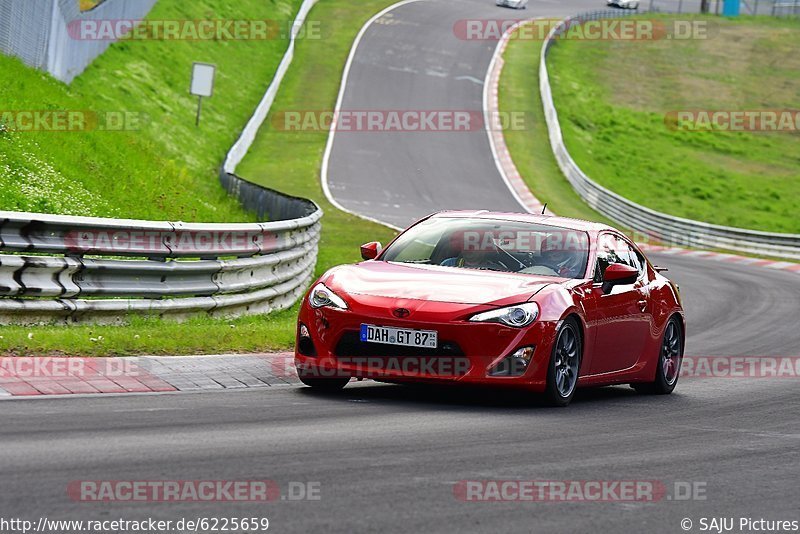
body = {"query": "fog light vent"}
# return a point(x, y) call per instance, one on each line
point(304, 344)
point(514, 364)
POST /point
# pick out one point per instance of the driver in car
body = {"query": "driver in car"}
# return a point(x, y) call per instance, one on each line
point(565, 263)
point(475, 259)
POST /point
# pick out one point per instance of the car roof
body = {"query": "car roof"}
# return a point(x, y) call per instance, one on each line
point(548, 220)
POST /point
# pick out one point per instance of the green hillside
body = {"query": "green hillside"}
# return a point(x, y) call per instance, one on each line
point(163, 167)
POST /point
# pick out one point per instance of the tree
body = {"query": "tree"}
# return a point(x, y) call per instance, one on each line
point(704, 6)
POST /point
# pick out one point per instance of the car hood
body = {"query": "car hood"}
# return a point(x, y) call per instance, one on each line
point(435, 283)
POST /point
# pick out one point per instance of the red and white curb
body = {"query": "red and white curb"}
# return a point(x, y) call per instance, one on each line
point(38, 376)
point(724, 257)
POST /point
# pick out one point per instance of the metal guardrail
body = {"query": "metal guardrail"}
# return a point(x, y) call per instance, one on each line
point(659, 226)
point(57, 267)
point(170, 268)
point(786, 8)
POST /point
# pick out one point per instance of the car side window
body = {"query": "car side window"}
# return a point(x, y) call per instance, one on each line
point(613, 249)
point(624, 252)
point(630, 256)
point(637, 259)
point(607, 253)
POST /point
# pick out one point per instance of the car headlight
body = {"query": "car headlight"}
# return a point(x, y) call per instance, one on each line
point(517, 316)
point(322, 296)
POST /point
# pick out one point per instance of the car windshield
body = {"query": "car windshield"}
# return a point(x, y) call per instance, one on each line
point(495, 245)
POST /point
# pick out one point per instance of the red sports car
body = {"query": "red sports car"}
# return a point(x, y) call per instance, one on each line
point(498, 299)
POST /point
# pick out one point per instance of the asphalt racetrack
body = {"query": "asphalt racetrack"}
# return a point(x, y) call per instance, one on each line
point(389, 458)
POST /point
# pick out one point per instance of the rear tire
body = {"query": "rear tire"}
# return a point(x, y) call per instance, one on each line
point(323, 384)
point(565, 364)
point(669, 362)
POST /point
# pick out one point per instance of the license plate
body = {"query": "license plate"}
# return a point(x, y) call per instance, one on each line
point(399, 336)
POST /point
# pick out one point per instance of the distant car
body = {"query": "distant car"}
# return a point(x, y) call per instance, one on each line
point(624, 4)
point(514, 4)
point(543, 303)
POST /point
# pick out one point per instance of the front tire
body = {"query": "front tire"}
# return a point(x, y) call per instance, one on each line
point(669, 361)
point(565, 363)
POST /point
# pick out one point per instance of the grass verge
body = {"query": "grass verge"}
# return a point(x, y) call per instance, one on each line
point(613, 97)
point(200, 335)
point(518, 92)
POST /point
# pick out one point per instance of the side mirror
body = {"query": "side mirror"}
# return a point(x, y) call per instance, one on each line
point(618, 274)
point(370, 251)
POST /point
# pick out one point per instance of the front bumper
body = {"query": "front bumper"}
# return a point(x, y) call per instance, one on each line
point(467, 352)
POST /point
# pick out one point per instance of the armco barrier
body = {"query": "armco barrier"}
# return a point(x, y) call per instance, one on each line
point(163, 268)
point(660, 226)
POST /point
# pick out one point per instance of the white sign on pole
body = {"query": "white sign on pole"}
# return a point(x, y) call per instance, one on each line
point(203, 79)
point(202, 84)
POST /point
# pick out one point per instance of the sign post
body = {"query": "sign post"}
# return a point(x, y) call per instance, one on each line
point(202, 84)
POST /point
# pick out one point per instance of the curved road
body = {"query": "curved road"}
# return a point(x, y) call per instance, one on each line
point(413, 58)
point(387, 457)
